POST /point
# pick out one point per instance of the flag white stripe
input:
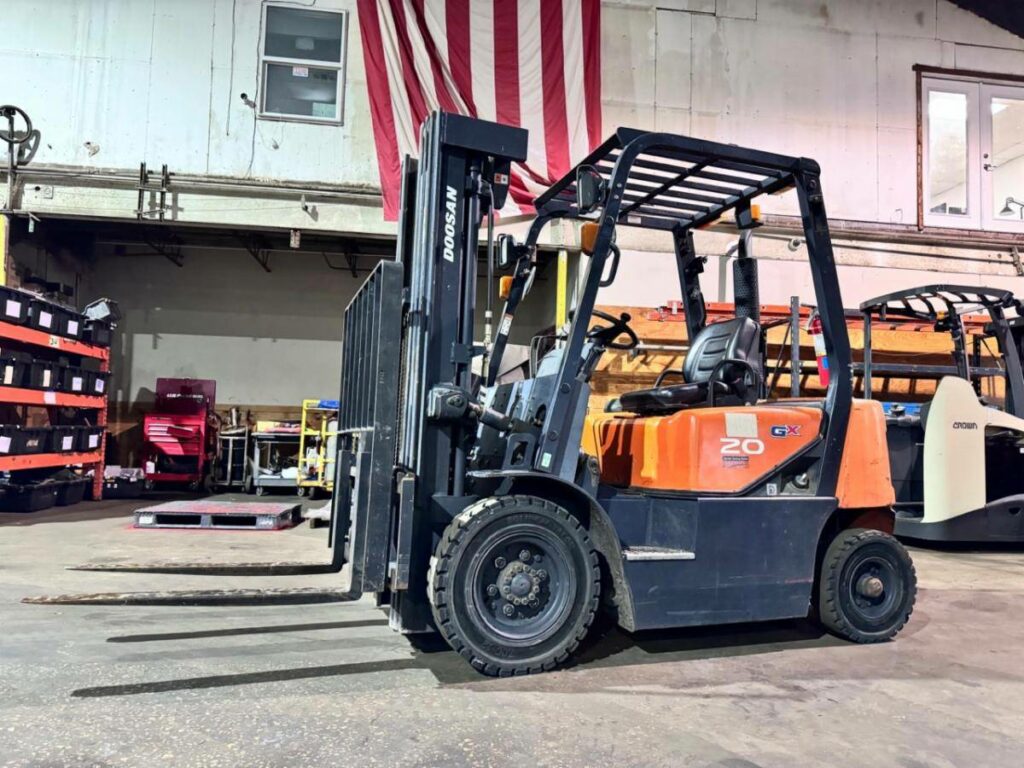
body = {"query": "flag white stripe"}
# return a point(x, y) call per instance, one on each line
point(405, 131)
point(531, 83)
point(481, 59)
point(436, 14)
point(420, 58)
point(575, 106)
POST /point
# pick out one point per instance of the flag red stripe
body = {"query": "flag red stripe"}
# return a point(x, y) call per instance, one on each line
point(506, 61)
point(444, 97)
point(552, 57)
point(417, 101)
point(592, 69)
point(382, 117)
point(457, 27)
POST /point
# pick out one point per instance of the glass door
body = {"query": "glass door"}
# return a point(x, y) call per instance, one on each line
point(1002, 160)
point(951, 167)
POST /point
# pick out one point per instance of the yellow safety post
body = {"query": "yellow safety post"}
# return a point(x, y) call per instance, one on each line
point(562, 289)
point(4, 248)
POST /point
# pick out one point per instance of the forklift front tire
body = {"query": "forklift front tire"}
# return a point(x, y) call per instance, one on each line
point(868, 586)
point(514, 585)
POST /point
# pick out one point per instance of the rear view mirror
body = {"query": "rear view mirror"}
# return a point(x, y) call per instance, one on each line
point(590, 188)
point(506, 251)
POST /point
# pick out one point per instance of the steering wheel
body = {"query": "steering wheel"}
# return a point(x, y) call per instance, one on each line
point(605, 335)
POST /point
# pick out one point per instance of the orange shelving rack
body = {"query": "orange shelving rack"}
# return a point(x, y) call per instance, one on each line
point(31, 337)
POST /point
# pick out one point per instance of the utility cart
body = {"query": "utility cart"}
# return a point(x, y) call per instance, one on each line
point(318, 445)
point(230, 467)
point(274, 463)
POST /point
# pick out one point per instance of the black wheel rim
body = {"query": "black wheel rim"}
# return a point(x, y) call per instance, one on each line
point(873, 589)
point(521, 584)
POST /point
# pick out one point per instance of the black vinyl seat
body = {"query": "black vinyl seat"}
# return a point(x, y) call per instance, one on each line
point(710, 362)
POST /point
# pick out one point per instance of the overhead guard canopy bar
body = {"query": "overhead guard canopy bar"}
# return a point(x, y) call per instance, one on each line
point(929, 301)
point(680, 183)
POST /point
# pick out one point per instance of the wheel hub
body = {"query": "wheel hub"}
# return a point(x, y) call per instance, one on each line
point(520, 583)
point(870, 586)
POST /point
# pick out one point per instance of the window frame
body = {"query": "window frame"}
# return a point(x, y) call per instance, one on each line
point(340, 67)
point(972, 219)
point(974, 84)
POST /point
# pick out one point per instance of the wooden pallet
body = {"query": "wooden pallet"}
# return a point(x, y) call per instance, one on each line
point(222, 515)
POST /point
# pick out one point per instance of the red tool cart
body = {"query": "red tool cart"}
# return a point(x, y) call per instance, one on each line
point(180, 434)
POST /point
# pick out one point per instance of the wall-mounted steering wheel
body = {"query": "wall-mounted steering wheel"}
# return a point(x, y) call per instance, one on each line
point(24, 142)
point(605, 335)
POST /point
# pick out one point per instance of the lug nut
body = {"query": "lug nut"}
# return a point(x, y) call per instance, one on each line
point(536, 558)
point(524, 555)
point(499, 562)
point(492, 590)
point(542, 574)
point(508, 610)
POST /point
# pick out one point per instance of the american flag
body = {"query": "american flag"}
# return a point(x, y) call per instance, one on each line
point(531, 63)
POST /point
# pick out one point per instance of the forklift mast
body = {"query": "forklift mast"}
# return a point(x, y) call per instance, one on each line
point(408, 346)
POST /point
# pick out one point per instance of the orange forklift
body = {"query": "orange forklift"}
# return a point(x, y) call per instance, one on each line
point(502, 515)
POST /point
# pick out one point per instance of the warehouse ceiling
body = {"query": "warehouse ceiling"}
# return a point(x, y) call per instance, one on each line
point(1008, 14)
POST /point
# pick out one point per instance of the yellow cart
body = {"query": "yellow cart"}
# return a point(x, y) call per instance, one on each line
point(317, 447)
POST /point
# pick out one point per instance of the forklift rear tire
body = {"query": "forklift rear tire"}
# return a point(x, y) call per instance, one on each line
point(868, 586)
point(514, 585)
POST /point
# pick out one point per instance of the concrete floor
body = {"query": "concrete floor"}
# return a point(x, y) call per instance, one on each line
point(331, 685)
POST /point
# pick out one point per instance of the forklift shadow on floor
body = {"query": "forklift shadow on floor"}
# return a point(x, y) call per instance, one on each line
point(608, 647)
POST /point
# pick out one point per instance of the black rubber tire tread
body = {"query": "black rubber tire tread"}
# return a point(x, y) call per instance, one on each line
point(455, 535)
point(829, 612)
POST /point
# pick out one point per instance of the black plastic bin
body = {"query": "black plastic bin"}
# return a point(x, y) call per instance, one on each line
point(71, 491)
point(97, 332)
point(63, 439)
point(14, 368)
point(43, 374)
point(88, 439)
point(13, 305)
point(73, 380)
point(70, 324)
point(96, 383)
point(44, 316)
point(29, 497)
point(121, 488)
point(30, 440)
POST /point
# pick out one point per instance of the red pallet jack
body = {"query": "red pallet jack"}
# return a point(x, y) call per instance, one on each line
point(180, 434)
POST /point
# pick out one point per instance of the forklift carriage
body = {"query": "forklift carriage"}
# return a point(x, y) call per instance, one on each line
point(502, 514)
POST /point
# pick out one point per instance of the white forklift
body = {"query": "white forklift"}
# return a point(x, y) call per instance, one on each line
point(958, 460)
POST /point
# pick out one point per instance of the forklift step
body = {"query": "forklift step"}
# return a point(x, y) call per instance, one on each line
point(634, 554)
point(225, 515)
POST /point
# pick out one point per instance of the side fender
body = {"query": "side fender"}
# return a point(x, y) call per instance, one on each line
point(593, 517)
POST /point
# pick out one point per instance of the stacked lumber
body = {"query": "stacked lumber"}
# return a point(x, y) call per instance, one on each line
point(621, 371)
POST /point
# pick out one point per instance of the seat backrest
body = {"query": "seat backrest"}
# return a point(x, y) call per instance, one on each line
point(737, 339)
